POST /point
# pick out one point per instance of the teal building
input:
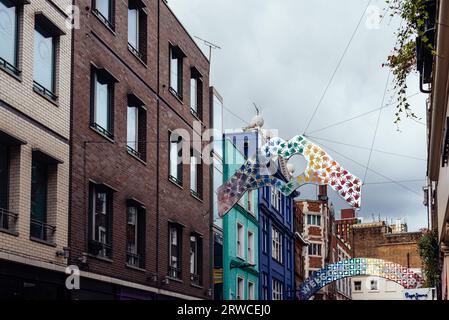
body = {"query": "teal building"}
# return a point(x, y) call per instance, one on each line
point(240, 237)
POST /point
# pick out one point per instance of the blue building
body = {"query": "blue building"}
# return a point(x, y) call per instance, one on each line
point(276, 234)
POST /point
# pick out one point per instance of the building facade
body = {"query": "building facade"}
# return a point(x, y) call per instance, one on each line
point(276, 234)
point(35, 97)
point(140, 205)
point(216, 111)
point(343, 225)
point(438, 135)
point(240, 237)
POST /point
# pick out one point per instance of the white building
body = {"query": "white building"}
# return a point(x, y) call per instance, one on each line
point(376, 288)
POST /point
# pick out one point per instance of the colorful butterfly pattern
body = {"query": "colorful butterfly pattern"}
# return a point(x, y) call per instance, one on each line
point(321, 170)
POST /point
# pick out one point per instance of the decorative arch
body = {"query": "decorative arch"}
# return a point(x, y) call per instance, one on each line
point(359, 267)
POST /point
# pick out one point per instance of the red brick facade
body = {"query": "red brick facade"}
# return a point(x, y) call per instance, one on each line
point(106, 161)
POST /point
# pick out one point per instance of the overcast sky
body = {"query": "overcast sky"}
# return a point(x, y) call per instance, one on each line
point(281, 54)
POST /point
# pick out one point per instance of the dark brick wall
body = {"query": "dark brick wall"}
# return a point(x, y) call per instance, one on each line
point(103, 161)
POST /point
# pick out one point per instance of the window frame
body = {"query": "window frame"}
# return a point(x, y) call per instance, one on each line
point(240, 240)
point(276, 245)
point(98, 78)
point(175, 53)
point(251, 290)
point(197, 78)
point(140, 226)
point(14, 66)
point(196, 170)
point(239, 288)
point(39, 87)
point(179, 234)
point(357, 286)
point(277, 289)
point(94, 243)
point(178, 179)
point(107, 21)
point(250, 247)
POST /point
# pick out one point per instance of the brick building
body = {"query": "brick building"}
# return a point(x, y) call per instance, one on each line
point(376, 240)
point(140, 216)
point(35, 60)
point(343, 225)
point(318, 216)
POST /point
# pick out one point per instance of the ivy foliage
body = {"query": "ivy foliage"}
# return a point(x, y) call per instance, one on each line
point(429, 251)
point(402, 60)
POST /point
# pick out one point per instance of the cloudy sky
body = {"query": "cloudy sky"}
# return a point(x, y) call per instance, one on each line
point(281, 54)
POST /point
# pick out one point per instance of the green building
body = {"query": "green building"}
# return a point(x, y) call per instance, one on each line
point(240, 237)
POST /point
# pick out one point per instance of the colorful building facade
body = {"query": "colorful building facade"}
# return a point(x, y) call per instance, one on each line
point(240, 237)
point(276, 233)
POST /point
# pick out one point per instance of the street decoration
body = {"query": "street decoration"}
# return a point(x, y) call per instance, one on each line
point(359, 267)
point(321, 169)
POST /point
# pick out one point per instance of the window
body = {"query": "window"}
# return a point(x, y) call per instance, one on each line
point(137, 26)
point(250, 256)
point(175, 250)
point(101, 221)
point(265, 286)
point(251, 291)
point(240, 288)
point(313, 220)
point(4, 179)
point(245, 147)
point(289, 255)
point(374, 285)
point(195, 259)
point(175, 158)
point(357, 285)
point(104, 10)
point(44, 72)
point(43, 176)
point(276, 249)
point(135, 236)
point(250, 205)
point(277, 290)
point(264, 235)
point(9, 35)
point(196, 93)
point(315, 249)
point(102, 102)
point(196, 176)
point(176, 75)
point(276, 199)
point(240, 241)
point(136, 128)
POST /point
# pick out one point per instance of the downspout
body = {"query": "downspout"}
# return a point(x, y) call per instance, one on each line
point(158, 138)
point(439, 91)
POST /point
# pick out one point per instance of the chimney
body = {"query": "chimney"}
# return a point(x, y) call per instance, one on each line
point(322, 193)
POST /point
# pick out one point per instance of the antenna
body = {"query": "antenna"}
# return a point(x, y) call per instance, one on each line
point(210, 45)
point(257, 109)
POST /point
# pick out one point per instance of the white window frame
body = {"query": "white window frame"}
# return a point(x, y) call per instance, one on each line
point(240, 240)
point(374, 282)
point(276, 289)
point(276, 244)
point(250, 252)
point(276, 199)
point(251, 291)
point(239, 290)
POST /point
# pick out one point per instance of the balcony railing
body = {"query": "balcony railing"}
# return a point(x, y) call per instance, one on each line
point(103, 19)
point(134, 152)
point(41, 230)
point(136, 52)
point(102, 130)
point(9, 67)
point(174, 272)
point(8, 220)
point(44, 91)
point(195, 279)
point(133, 259)
point(100, 249)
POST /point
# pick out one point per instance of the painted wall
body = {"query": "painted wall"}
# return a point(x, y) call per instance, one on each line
point(239, 214)
point(282, 220)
